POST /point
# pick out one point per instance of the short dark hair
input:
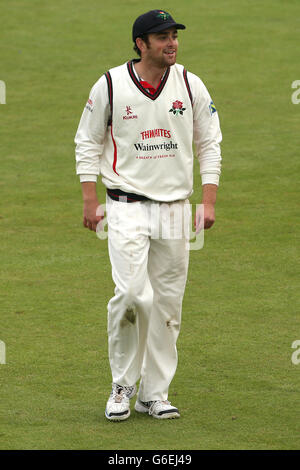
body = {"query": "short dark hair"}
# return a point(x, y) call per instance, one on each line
point(144, 38)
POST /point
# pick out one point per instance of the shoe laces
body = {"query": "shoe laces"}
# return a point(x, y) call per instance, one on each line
point(128, 389)
point(157, 402)
point(119, 391)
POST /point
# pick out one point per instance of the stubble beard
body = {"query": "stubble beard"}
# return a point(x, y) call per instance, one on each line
point(162, 62)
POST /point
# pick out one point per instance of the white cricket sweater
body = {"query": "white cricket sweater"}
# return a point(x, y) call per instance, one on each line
point(144, 145)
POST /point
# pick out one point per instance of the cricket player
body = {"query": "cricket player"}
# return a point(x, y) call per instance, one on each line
point(137, 132)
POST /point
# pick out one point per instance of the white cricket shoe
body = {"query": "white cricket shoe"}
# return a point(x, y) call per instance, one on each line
point(158, 409)
point(117, 406)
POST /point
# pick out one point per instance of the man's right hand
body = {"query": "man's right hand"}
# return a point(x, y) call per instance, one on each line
point(92, 211)
point(92, 214)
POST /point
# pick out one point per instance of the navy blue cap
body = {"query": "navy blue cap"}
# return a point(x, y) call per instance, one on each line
point(152, 22)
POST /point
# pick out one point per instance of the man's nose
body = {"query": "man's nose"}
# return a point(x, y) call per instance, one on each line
point(172, 41)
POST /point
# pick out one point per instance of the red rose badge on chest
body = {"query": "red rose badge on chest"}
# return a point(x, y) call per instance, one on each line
point(177, 108)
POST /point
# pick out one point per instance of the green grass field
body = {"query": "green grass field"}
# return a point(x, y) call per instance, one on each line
point(236, 386)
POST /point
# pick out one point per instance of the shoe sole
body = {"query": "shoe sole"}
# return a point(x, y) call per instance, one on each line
point(117, 417)
point(167, 416)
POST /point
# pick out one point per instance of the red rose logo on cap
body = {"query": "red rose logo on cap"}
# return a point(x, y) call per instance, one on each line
point(177, 107)
point(163, 15)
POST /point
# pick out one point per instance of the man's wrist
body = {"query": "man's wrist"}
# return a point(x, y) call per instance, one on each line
point(89, 192)
point(90, 199)
point(209, 194)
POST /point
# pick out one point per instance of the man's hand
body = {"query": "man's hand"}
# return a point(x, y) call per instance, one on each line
point(205, 215)
point(92, 211)
point(209, 215)
point(92, 214)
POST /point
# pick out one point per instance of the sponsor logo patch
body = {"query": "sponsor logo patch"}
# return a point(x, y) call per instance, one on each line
point(212, 108)
point(129, 113)
point(89, 105)
point(152, 147)
point(152, 133)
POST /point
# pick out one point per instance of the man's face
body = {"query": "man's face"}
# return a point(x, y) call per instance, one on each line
point(162, 48)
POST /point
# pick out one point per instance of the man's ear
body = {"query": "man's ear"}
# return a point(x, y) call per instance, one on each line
point(141, 44)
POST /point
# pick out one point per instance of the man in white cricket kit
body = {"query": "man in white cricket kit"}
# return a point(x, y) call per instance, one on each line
point(137, 131)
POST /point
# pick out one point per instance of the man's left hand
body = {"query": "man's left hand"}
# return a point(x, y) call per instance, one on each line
point(209, 217)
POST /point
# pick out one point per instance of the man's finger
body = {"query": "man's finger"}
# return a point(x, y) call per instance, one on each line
point(208, 223)
point(92, 224)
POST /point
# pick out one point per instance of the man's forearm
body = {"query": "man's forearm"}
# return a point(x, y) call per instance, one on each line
point(89, 192)
point(92, 211)
point(209, 194)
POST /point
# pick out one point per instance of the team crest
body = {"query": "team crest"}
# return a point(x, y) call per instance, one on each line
point(163, 15)
point(177, 108)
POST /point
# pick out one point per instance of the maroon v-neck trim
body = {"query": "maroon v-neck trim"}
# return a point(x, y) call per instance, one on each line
point(141, 88)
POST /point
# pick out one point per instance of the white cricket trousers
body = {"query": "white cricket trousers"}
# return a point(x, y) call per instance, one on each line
point(148, 248)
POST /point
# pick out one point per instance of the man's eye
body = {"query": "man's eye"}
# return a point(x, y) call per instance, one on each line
point(165, 37)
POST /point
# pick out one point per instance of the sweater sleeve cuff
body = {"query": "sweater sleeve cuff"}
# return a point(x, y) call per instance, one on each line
point(86, 178)
point(210, 178)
